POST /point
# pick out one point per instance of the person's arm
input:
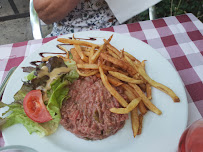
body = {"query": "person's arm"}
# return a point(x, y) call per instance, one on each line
point(50, 11)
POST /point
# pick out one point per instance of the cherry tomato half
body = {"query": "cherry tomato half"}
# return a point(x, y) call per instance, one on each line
point(34, 107)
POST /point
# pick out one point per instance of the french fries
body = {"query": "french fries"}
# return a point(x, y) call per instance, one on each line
point(114, 81)
point(77, 42)
point(86, 53)
point(120, 99)
point(87, 66)
point(134, 113)
point(135, 121)
point(153, 83)
point(76, 57)
point(80, 53)
point(101, 48)
point(132, 57)
point(112, 48)
point(87, 73)
point(146, 101)
point(117, 68)
point(125, 78)
point(128, 109)
point(91, 54)
point(149, 91)
point(122, 64)
point(63, 48)
point(130, 90)
point(140, 124)
point(113, 54)
point(158, 85)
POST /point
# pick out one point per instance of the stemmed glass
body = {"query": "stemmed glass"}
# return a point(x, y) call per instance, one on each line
point(192, 138)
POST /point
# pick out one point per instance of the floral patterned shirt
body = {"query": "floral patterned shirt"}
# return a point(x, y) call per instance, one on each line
point(88, 15)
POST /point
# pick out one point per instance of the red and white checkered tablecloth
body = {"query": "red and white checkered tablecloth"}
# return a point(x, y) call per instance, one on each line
point(179, 39)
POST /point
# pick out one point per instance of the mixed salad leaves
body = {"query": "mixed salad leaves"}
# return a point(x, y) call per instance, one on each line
point(29, 105)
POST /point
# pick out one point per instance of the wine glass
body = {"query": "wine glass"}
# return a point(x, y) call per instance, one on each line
point(16, 148)
point(192, 138)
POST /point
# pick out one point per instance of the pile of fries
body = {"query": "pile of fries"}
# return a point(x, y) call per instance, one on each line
point(118, 68)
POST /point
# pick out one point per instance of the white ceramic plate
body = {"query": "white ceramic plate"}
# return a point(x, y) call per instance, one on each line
point(160, 133)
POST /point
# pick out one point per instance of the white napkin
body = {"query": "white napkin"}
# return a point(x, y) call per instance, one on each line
point(125, 9)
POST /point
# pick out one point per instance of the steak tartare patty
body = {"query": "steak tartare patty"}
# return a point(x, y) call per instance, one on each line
point(86, 113)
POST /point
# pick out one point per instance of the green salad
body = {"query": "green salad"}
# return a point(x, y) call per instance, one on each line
point(53, 87)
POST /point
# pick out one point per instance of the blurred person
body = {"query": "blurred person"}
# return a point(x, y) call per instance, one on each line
point(70, 16)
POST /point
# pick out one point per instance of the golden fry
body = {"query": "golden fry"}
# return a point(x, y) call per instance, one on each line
point(140, 124)
point(142, 87)
point(101, 48)
point(76, 57)
point(146, 101)
point(153, 83)
point(132, 57)
point(137, 76)
point(86, 53)
point(122, 54)
point(128, 109)
point(97, 53)
point(77, 42)
point(120, 63)
point(114, 81)
point(91, 54)
point(143, 63)
point(129, 61)
point(149, 91)
point(142, 108)
point(80, 53)
point(134, 121)
point(157, 85)
point(62, 48)
point(87, 66)
point(111, 80)
point(86, 49)
point(125, 78)
point(130, 95)
point(131, 91)
point(113, 92)
point(112, 53)
point(112, 68)
point(87, 73)
point(112, 48)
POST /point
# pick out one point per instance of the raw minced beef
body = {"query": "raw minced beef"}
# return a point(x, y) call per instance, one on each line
point(86, 113)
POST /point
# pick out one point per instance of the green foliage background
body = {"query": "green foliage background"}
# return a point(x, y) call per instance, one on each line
point(176, 7)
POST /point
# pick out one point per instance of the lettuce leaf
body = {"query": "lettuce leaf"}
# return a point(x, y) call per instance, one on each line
point(20, 95)
point(57, 94)
point(71, 64)
point(71, 76)
point(18, 116)
point(31, 76)
point(55, 102)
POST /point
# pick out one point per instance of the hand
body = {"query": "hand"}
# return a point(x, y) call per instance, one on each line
point(50, 11)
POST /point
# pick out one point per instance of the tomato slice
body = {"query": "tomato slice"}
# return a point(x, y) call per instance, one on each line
point(34, 107)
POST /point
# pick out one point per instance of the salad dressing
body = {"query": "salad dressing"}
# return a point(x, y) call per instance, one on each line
point(55, 74)
point(42, 53)
point(90, 38)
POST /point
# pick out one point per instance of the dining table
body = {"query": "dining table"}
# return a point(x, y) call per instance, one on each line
point(179, 39)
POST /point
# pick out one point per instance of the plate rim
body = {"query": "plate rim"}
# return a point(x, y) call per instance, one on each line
point(145, 45)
